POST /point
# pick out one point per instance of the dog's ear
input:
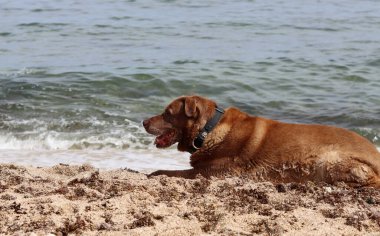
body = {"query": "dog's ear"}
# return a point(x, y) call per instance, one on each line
point(191, 107)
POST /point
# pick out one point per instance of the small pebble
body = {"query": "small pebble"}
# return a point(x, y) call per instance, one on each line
point(328, 189)
point(281, 188)
point(104, 226)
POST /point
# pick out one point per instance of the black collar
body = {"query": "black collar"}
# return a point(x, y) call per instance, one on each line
point(198, 141)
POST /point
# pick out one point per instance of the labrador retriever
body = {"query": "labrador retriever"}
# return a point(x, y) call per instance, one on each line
point(232, 142)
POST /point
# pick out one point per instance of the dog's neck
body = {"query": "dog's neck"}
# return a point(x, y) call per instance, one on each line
point(210, 125)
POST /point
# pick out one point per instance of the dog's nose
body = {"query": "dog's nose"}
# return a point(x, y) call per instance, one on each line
point(145, 123)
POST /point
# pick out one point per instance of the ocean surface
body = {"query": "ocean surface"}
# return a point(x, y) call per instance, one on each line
point(78, 77)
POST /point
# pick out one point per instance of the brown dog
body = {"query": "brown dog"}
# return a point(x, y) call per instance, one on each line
point(240, 144)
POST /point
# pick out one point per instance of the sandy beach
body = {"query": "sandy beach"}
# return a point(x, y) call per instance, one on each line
point(66, 199)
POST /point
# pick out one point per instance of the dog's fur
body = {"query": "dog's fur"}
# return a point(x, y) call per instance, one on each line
point(241, 144)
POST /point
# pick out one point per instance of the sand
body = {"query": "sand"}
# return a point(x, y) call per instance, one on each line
point(64, 200)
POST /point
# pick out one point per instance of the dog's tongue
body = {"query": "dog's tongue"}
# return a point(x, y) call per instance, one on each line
point(164, 140)
point(160, 140)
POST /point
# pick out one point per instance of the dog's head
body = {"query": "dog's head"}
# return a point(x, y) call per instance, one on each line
point(180, 122)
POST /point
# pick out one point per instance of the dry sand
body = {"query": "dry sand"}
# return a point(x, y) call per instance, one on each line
point(65, 200)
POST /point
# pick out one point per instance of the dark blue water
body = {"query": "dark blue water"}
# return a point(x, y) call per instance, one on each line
point(77, 77)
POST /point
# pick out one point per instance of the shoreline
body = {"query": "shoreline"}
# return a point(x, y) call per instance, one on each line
point(80, 199)
point(142, 160)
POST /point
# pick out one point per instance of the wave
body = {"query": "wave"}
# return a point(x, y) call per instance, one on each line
point(372, 135)
point(21, 72)
point(90, 133)
point(57, 141)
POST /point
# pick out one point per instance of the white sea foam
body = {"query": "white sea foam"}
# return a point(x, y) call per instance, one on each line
point(21, 72)
point(63, 135)
point(53, 140)
point(119, 147)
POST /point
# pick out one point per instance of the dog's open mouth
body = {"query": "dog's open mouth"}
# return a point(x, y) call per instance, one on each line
point(168, 138)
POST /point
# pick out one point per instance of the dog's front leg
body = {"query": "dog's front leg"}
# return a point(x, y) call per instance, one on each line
point(188, 174)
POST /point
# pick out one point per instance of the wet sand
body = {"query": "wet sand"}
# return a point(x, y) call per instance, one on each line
point(66, 199)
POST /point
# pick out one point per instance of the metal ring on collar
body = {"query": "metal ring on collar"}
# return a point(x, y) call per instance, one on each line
point(195, 147)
